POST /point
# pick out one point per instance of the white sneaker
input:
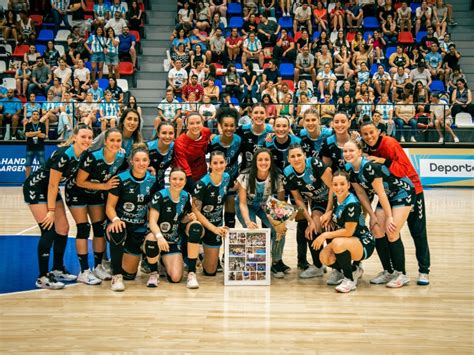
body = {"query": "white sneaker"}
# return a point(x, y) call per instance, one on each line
point(49, 282)
point(412, 139)
point(423, 279)
point(101, 273)
point(382, 278)
point(192, 281)
point(117, 283)
point(335, 278)
point(107, 265)
point(153, 280)
point(357, 273)
point(456, 139)
point(346, 286)
point(402, 139)
point(63, 275)
point(399, 280)
point(441, 140)
point(88, 278)
point(311, 271)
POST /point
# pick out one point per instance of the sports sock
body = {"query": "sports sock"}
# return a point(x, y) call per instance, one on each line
point(60, 242)
point(192, 265)
point(383, 250)
point(397, 254)
point(344, 260)
point(98, 255)
point(83, 260)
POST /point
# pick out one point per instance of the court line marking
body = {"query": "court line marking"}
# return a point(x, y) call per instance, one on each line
point(35, 226)
point(35, 290)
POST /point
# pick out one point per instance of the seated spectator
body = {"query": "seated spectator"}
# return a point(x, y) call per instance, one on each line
point(26, 29)
point(270, 108)
point(250, 7)
point(186, 15)
point(22, 78)
point(117, 92)
point(10, 25)
point(198, 56)
point(389, 30)
point(50, 109)
point(323, 57)
point(203, 19)
point(455, 75)
point(326, 81)
point(354, 13)
point(169, 110)
point(127, 44)
point(303, 41)
point(286, 108)
point(189, 105)
point(361, 89)
point(302, 17)
point(405, 116)
point(327, 110)
point(347, 105)
point(423, 16)
point(193, 87)
point(398, 59)
point(57, 89)
point(346, 89)
point(342, 62)
point(117, 22)
point(361, 56)
point(271, 74)
point(30, 107)
point(249, 81)
point(234, 45)
point(87, 110)
point(267, 30)
point(462, 99)
point(118, 7)
point(219, 6)
point(450, 60)
point(200, 72)
point(101, 13)
point(267, 7)
point(303, 89)
point(337, 17)
point(216, 23)
point(284, 90)
point(208, 112)
point(421, 74)
point(78, 94)
point(434, 62)
point(51, 56)
point(96, 91)
point(440, 18)
point(442, 118)
point(250, 25)
point(421, 95)
point(339, 42)
point(305, 64)
point(10, 108)
point(232, 82)
point(304, 104)
point(177, 77)
point(109, 111)
point(365, 107)
point(66, 122)
point(382, 80)
point(415, 57)
point(83, 74)
point(252, 49)
point(404, 17)
point(217, 45)
point(385, 110)
point(182, 55)
point(212, 90)
point(428, 40)
point(270, 90)
point(379, 123)
point(378, 45)
point(285, 47)
point(320, 16)
point(363, 75)
point(285, 6)
point(31, 56)
point(18, 5)
point(40, 78)
point(64, 74)
point(445, 42)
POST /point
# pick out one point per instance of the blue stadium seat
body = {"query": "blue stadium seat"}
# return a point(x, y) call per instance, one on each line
point(234, 100)
point(414, 6)
point(286, 22)
point(371, 23)
point(234, 8)
point(236, 21)
point(40, 99)
point(287, 70)
point(437, 86)
point(103, 83)
point(41, 48)
point(420, 36)
point(316, 35)
point(218, 83)
point(374, 68)
point(366, 35)
point(389, 51)
point(45, 36)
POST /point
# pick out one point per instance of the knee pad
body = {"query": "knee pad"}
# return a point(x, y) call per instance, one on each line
point(83, 230)
point(151, 249)
point(229, 219)
point(117, 238)
point(99, 229)
point(209, 273)
point(129, 276)
point(195, 232)
point(47, 239)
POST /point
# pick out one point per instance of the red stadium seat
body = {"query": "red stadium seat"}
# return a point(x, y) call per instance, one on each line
point(350, 36)
point(297, 36)
point(37, 19)
point(136, 34)
point(405, 38)
point(20, 50)
point(268, 52)
point(291, 84)
point(126, 69)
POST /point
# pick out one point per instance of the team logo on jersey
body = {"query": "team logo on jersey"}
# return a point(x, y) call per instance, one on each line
point(88, 162)
point(168, 209)
point(128, 206)
point(131, 191)
point(351, 211)
point(208, 208)
point(213, 194)
point(32, 195)
point(165, 227)
point(62, 162)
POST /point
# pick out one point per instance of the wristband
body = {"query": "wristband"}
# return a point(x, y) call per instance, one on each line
point(159, 235)
point(51, 209)
point(116, 218)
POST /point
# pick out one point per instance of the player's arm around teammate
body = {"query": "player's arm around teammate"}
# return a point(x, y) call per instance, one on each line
point(41, 193)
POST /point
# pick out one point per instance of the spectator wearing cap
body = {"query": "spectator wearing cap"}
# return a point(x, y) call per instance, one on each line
point(127, 45)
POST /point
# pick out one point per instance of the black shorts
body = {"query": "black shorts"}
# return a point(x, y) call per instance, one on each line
point(77, 197)
point(319, 205)
point(211, 240)
point(36, 196)
point(368, 244)
point(134, 239)
point(175, 248)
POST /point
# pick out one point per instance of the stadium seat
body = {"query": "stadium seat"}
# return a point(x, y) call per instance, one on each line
point(405, 38)
point(297, 36)
point(218, 83)
point(350, 36)
point(123, 84)
point(464, 120)
point(3, 66)
point(373, 69)
point(287, 70)
point(291, 84)
point(316, 35)
point(40, 99)
point(20, 50)
point(126, 69)
point(366, 35)
point(60, 49)
point(389, 51)
point(420, 36)
point(103, 83)
point(234, 9)
point(414, 6)
point(9, 83)
point(286, 22)
point(437, 86)
point(62, 35)
point(45, 36)
point(41, 48)
point(370, 23)
point(37, 19)
point(237, 22)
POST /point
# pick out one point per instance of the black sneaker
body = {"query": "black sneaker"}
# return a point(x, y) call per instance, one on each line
point(219, 266)
point(283, 267)
point(276, 271)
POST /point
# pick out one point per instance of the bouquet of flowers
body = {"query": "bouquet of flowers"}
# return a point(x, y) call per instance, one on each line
point(279, 212)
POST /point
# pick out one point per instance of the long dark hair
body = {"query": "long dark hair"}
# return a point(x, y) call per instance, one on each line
point(136, 136)
point(252, 171)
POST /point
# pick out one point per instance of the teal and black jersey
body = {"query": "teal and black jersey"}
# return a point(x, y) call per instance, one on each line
point(309, 183)
point(330, 149)
point(212, 198)
point(369, 171)
point(99, 170)
point(134, 195)
point(251, 142)
point(311, 146)
point(171, 213)
point(280, 150)
point(231, 151)
point(160, 161)
point(350, 210)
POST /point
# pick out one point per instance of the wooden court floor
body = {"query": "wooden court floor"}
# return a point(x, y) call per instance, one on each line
point(290, 316)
